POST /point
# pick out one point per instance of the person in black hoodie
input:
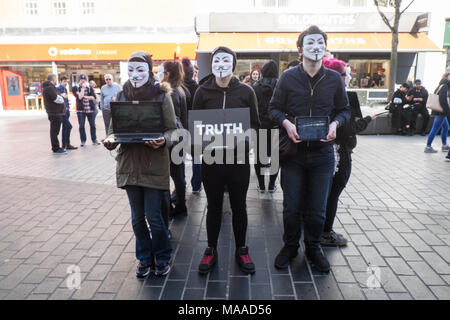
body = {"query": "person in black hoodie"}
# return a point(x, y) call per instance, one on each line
point(222, 90)
point(55, 108)
point(307, 166)
point(192, 85)
point(264, 90)
point(345, 143)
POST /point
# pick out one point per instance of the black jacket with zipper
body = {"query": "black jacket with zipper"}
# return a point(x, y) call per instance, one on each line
point(50, 94)
point(295, 96)
point(237, 95)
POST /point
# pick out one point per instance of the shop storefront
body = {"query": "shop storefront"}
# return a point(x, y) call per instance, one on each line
point(360, 39)
point(23, 68)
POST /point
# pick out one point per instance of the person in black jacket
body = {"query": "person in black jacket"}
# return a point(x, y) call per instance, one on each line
point(307, 166)
point(417, 97)
point(401, 115)
point(55, 108)
point(222, 90)
point(264, 90)
point(345, 143)
point(192, 85)
point(173, 74)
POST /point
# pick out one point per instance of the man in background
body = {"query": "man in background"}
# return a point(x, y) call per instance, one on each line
point(54, 106)
point(108, 94)
point(417, 98)
point(66, 125)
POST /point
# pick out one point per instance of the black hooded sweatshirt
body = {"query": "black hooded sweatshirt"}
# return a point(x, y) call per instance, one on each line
point(264, 91)
point(50, 93)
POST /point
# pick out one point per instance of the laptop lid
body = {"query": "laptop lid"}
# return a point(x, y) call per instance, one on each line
point(134, 117)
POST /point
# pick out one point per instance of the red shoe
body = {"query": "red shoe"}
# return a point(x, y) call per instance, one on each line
point(244, 261)
point(208, 261)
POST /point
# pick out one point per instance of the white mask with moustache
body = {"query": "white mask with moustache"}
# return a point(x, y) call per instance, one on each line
point(314, 47)
point(139, 73)
point(222, 64)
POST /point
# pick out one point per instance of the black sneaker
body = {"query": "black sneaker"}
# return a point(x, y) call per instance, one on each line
point(261, 188)
point(60, 151)
point(71, 147)
point(317, 259)
point(83, 143)
point(208, 261)
point(243, 260)
point(143, 270)
point(162, 269)
point(333, 239)
point(272, 189)
point(286, 254)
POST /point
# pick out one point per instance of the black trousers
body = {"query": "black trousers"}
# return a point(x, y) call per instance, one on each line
point(236, 177)
point(258, 164)
point(420, 109)
point(340, 180)
point(177, 174)
point(55, 127)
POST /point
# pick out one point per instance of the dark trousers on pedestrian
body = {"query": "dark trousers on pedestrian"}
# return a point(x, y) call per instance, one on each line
point(422, 110)
point(177, 174)
point(106, 119)
point(66, 128)
point(338, 184)
point(259, 165)
point(81, 122)
point(305, 180)
point(55, 127)
point(196, 180)
point(236, 177)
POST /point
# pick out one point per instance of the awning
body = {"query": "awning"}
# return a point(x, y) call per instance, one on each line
point(337, 42)
point(93, 51)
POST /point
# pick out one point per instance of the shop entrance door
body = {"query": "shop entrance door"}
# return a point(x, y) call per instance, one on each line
point(11, 84)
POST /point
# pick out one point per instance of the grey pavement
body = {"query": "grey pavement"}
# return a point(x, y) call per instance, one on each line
point(63, 213)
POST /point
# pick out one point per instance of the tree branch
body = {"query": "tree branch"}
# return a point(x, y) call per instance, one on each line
point(383, 16)
point(407, 7)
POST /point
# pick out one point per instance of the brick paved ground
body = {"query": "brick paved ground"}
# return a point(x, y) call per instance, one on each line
point(59, 211)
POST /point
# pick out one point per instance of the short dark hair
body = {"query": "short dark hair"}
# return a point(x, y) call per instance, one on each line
point(51, 76)
point(293, 63)
point(310, 30)
point(63, 78)
point(405, 85)
point(417, 81)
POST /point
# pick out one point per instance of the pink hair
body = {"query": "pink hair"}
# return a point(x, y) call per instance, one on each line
point(335, 64)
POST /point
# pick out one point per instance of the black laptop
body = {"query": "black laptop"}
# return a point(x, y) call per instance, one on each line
point(136, 121)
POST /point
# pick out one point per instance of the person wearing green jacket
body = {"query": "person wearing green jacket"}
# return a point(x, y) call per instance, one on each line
point(143, 169)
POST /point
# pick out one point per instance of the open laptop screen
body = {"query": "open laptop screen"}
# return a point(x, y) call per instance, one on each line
point(137, 117)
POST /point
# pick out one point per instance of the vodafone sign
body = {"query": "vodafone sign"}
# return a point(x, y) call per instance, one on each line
point(53, 52)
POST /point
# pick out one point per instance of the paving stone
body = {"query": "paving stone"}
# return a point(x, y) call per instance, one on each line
point(417, 288)
point(48, 286)
point(112, 282)
point(385, 249)
point(328, 288)
point(372, 256)
point(282, 285)
point(426, 274)
point(399, 266)
point(394, 238)
point(194, 294)
point(261, 292)
point(87, 291)
point(400, 296)
point(351, 291)
point(357, 263)
point(239, 288)
point(62, 294)
point(375, 294)
point(443, 251)
point(150, 293)
point(436, 262)
point(343, 274)
point(173, 290)
point(216, 289)
point(441, 292)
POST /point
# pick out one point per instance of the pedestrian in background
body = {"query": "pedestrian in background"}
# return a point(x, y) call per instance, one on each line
point(264, 90)
point(85, 103)
point(54, 106)
point(108, 94)
point(66, 125)
point(254, 77)
point(440, 118)
point(173, 75)
point(417, 98)
point(192, 85)
point(143, 170)
point(93, 85)
point(401, 112)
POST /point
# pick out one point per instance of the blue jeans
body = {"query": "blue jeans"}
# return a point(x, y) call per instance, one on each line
point(66, 128)
point(440, 122)
point(305, 180)
point(196, 180)
point(82, 120)
point(145, 206)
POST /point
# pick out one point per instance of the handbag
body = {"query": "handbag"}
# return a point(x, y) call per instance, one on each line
point(433, 102)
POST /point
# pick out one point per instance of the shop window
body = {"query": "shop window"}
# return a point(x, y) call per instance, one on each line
point(59, 8)
point(245, 66)
point(31, 8)
point(369, 73)
point(271, 3)
point(352, 3)
point(88, 7)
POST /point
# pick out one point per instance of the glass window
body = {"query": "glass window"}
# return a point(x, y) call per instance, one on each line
point(33, 75)
point(271, 3)
point(245, 66)
point(88, 7)
point(31, 8)
point(368, 73)
point(59, 8)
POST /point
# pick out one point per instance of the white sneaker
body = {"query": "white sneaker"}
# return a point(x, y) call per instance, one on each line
point(430, 150)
